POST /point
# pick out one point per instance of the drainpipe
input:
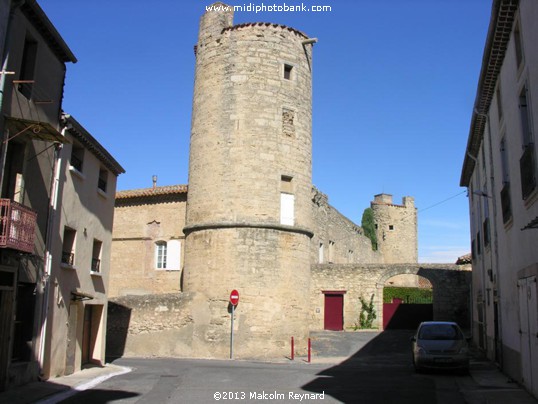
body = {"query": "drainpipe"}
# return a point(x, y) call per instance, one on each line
point(483, 272)
point(53, 203)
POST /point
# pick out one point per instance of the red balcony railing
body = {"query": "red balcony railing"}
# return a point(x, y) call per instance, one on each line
point(17, 226)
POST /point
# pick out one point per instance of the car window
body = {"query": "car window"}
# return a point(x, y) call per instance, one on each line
point(440, 332)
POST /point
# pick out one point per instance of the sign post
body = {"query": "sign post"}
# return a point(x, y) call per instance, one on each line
point(234, 300)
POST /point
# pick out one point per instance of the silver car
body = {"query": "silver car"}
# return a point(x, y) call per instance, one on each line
point(440, 345)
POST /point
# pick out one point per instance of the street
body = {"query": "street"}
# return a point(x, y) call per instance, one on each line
point(380, 372)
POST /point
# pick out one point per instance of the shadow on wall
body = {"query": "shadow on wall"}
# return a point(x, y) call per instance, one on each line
point(119, 318)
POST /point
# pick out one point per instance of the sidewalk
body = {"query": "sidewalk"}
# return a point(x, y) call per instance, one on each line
point(494, 387)
point(58, 389)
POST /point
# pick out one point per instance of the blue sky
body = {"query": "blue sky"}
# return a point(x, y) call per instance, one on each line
point(394, 83)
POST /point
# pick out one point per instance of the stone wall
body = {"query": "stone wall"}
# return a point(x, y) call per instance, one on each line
point(140, 222)
point(187, 325)
point(342, 241)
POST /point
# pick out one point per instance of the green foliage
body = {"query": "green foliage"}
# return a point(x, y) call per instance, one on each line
point(368, 226)
point(367, 315)
point(408, 295)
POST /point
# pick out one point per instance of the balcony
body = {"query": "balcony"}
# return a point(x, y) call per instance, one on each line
point(17, 226)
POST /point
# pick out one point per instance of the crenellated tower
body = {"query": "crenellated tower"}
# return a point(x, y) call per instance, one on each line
point(249, 215)
point(396, 229)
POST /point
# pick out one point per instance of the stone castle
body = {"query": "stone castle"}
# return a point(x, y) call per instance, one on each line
point(251, 219)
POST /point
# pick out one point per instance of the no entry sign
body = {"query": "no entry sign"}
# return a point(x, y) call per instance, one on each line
point(234, 297)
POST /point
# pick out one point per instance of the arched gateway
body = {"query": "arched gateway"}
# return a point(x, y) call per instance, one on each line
point(451, 286)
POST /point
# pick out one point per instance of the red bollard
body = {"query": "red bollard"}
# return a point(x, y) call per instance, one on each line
point(292, 349)
point(309, 350)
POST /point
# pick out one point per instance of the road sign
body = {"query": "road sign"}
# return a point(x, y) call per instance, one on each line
point(234, 297)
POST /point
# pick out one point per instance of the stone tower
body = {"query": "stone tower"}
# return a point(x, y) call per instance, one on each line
point(396, 229)
point(249, 214)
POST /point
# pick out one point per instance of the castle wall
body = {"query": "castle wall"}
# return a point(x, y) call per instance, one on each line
point(179, 320)
point(342, 241)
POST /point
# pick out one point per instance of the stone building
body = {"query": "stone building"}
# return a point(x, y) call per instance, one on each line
point(252, 220)
point(396, 229)
point(148, 241)
point(57, 197)
point(500, 171)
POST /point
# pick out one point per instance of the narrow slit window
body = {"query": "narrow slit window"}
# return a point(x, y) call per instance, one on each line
point(287, 71)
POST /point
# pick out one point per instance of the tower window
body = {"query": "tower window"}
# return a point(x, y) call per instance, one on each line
point(287, 201)
point(287, 71)
point(391, 227)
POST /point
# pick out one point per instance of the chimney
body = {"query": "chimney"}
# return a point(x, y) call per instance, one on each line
point(154, 178)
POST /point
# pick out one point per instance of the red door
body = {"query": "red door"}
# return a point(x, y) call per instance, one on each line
point(334, 312)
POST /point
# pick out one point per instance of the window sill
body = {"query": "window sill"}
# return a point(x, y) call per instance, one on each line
point(509, 223)
point(76, 173)
point(168, 269)
point(102, 193)
point(531, 198)
point(94, 273)
point(67, 266)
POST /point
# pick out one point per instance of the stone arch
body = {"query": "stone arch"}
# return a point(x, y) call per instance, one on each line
point(450, 284)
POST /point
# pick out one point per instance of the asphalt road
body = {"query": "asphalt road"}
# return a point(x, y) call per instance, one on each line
point(379, 372)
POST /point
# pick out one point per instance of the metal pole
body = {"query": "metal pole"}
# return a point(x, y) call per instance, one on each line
point(292, 349)
point(309, 350)
point(232, 335)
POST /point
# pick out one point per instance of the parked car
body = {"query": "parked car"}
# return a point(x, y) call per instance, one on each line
point(440, 345)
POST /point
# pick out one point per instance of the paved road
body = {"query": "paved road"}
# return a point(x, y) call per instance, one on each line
point(380, 372)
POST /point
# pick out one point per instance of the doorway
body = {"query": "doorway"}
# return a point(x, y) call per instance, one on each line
point(334, 311)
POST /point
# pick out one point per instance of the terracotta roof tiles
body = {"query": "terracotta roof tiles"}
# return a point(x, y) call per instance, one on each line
point(148, 192)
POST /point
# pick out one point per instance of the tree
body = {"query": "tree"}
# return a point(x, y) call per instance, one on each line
point(368, 226)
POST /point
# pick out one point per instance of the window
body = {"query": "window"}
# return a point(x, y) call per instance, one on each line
point(331, 252)
point(526, 123)
point(103, 179)
point(168, 255)
point(350, 256)
point(499, 103)
point(527, 164)
point(96, 256)
point(506, 204)
point(391, 227)
point(77, 157)
point(518, 46)
point(68, 247)
point(287, 71)
point(26, 77)
point(287, 201)
point(320, 253)
point(504, 162)
point(160, 254)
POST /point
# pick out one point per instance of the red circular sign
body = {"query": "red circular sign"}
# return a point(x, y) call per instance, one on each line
point(234, 297)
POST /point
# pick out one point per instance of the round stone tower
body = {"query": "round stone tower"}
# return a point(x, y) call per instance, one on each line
point(249, 214)
point(396, 229)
